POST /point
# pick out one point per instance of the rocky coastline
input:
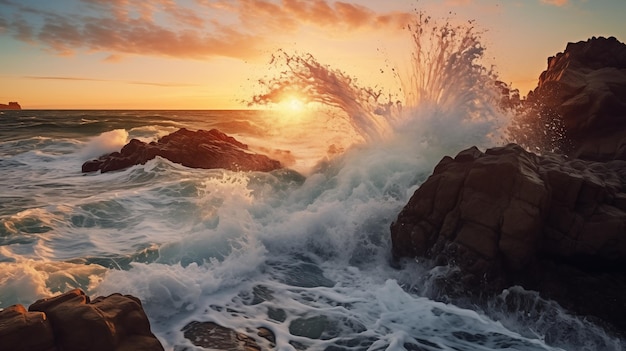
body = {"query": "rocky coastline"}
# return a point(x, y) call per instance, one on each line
point(551, 222)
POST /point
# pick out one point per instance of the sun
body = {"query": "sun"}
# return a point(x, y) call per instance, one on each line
point(293, 104)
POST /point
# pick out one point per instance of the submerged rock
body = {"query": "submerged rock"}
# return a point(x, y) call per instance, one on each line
point(216, 337)
point(508, 216)
point(72, 321)
point(199, 149)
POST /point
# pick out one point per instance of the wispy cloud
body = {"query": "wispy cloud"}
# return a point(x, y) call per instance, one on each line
point(83, 79)
point(555, 2)
point(208, 28)
point(458, 2)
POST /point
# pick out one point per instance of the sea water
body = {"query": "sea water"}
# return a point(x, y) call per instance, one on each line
point(302, 251)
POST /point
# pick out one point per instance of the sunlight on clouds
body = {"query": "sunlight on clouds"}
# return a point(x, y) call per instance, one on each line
point(458, 2)
point(555, 2)
point(237, 29)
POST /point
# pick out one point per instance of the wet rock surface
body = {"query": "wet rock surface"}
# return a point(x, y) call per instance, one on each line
point(213, 336)
point(507, 216)
point(72, 321)
point(554, 223)
point(195, 149)
point(585, 86)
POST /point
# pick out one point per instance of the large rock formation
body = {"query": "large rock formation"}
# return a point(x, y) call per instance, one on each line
point(585, 86)
point(199, 149)
point(72, 321)
point(551, 223)
point(507, 216)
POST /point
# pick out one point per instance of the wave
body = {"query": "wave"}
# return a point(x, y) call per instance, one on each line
point(306, 257)
point(105, 143)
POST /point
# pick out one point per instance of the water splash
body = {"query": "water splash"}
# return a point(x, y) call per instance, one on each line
point(304, 76)
point(451, 94)
point(447, 71)
point(538, 128)
point(447, 85)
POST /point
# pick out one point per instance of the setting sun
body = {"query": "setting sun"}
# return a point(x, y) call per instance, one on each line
point(313, 175)
point(295, 104)
point(292, 104)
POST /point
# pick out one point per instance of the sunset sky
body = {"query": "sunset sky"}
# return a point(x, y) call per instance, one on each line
point(208, 54)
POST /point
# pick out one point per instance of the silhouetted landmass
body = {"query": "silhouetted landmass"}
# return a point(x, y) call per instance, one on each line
point(10, 106)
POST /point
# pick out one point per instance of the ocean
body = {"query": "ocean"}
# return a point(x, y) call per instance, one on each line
point(302, 251)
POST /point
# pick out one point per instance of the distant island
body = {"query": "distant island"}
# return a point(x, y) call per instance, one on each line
point(11, 106)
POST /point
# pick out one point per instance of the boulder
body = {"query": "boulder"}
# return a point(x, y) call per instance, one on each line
point(72, 321)
point(585, 87)
point(21, 330)
point(507, 216)
point(199, 149)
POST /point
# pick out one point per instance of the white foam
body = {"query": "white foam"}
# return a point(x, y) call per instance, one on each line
point(26, 280)
point(104, 143)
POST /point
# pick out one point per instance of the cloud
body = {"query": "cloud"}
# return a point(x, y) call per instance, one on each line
point(293, 14)
point(114, 58)
point(459, 2)
point(207, 28)
point(87, 79)
point(555, 2)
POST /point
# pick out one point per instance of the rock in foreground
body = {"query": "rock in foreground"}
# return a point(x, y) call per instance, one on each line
point(72, 321)
point(199, 149)
point(507, 217)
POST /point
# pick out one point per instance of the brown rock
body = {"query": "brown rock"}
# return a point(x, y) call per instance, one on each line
point(507, 211)
point(199, 149)
point(21, 330)
point(109, 323)
point(585, 88)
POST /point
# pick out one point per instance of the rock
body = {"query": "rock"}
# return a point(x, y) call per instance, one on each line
point(199, 149)
point(216, 337)
point(72, 322)
point(508, 216)
point(21, 330)
point(13, 105)
point(585, 87)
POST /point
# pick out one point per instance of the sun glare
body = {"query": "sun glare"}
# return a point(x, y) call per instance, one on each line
point(296, 104)
point(293, 104)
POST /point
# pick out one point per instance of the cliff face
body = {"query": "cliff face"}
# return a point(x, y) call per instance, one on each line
point(585, 86)
point(11, 106)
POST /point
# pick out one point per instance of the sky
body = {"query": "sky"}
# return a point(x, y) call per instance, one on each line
point(208, 54)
